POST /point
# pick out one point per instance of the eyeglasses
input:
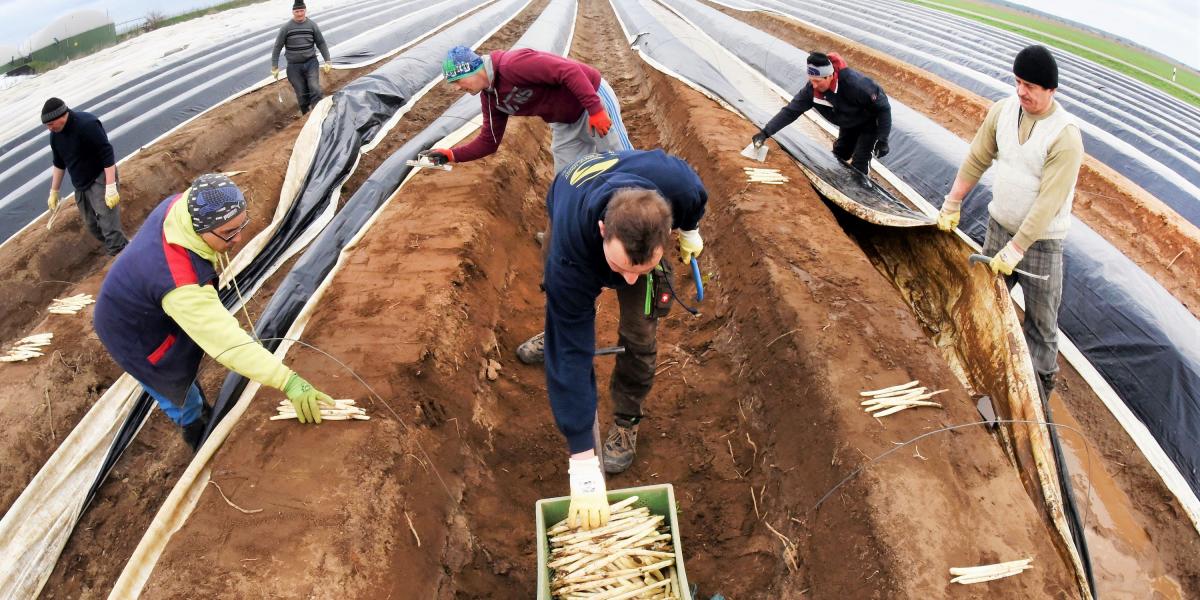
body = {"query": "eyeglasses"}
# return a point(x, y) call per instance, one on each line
point(229, 238)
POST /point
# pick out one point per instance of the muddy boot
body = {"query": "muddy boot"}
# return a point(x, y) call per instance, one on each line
point(193, 433)
point(533, 351)
point(1046, 383)
point(621, 445)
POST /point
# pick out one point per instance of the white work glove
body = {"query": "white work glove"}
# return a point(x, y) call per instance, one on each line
point(52, 201)
point(275, 73)
point(111, 197)
point(690, 245)
point(589, 499)
point(948, 217)
point(1007, 258)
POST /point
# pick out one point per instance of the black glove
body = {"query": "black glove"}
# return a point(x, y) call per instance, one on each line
point(438, 156)
point(881, 148)
point(759, 139)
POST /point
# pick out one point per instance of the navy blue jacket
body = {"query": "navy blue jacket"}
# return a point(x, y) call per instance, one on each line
point(129, 318)
point(576, 270)
point(857, 101)
point(82, 148)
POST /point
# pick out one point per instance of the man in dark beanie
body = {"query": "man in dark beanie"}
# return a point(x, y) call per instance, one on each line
point(79, 145)
point(158, 311)
point(847, 99)
point(302, 38)
point(1037, 150)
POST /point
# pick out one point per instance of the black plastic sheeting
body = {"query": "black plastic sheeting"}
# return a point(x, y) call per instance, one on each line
point(1137, 335)
point(660, 44)
point(549, 32)
point(156, 102)
point(360, 108)
point(1147, 136)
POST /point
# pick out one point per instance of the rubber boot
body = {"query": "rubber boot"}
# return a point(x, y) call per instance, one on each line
point(193, 433)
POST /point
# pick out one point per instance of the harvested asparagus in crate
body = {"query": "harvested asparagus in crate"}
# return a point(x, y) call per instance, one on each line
point(339, 410)
point(891, 400)
point(630, 557)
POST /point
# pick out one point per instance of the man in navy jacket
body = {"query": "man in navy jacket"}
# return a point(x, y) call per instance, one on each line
point(846, 98)
point(611, 215)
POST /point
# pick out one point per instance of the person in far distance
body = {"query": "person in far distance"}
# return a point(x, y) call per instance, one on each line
point(302, 39)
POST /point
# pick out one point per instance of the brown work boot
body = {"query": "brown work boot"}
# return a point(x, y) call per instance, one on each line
point(533, 350)
point(620, 446)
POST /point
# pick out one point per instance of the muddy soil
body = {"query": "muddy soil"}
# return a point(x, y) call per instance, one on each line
point(1135, 506)
point(1143, 228)
point(754, 415)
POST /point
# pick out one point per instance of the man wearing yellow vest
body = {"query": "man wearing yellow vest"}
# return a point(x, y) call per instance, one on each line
point(1037, 150)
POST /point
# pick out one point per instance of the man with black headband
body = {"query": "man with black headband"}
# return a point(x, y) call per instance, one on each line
point(1037, 149)
point(847, 99)
point(79, 145)
point(158, 311)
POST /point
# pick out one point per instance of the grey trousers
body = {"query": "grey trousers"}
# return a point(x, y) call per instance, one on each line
point(305, 78)
point(103, 222)
point(573, 141)
point(1042, 298)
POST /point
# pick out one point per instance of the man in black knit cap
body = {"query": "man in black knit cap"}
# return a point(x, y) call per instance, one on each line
point(845, 98)
point(1037, 150)
point(302, 39)
point(79, 145)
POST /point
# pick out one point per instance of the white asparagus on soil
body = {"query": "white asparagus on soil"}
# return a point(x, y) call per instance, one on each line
point(985, 569)
point(890, 389)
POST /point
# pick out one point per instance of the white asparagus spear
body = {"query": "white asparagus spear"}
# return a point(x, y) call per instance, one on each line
point(989, 568)
point(889, 389)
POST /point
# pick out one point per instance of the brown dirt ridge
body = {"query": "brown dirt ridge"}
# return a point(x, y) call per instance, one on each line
point(753, 417)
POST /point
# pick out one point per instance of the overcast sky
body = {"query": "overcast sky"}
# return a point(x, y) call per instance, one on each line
point(1168, 26)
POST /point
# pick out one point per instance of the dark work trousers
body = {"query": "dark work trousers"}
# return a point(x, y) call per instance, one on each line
point(305, 78)
point(633, 375)
point(103, 222)
point(856, 144)
point(1042, 298)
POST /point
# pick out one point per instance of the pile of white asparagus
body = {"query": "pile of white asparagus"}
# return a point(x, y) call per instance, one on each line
point(982, 573)
point(27, 348)
point(768, 176)
point(891, 400)
point(70, 305)
point(630, 557)
point(338, 410)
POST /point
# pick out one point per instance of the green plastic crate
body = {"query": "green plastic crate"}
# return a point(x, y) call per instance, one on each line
point(660, 499)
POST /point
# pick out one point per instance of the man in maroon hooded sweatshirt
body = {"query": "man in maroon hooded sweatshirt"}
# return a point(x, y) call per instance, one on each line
point(572, 97)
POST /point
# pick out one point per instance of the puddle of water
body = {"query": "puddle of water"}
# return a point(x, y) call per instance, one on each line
point(1122, 564)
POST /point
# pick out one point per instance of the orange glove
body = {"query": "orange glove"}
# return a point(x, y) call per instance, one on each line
point(600, 123)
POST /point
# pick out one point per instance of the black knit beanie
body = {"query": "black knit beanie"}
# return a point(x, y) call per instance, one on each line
point(1036, 65)
point(298, 5)
point(53, 109)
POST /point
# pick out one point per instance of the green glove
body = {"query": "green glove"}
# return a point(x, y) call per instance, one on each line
point(52, 201)
point(306, 399)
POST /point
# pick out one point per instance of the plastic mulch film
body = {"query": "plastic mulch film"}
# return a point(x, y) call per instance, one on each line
point(1147, 136)
point(1143, 342)
point(301, 291)
point(151, 105)
point(36, 529)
